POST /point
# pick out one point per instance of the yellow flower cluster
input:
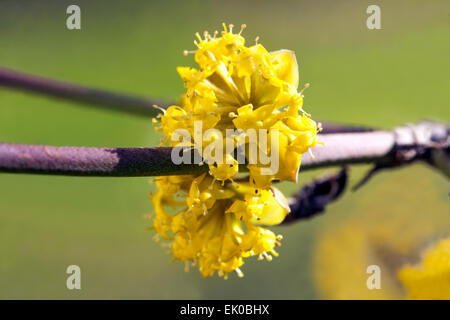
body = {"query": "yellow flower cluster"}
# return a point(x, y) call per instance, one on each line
point(215, 219)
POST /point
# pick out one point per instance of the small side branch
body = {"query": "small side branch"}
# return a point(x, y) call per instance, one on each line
point(312, 199)
point(108, 100)
point(91, 96)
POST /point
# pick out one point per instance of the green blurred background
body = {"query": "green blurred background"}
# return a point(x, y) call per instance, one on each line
point(378, 78)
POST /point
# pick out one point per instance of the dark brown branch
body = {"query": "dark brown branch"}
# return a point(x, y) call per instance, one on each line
point(79, 161)
point(109, 100)
point(312, 199)
point(401, 146)
point(96, 97)
point(328, 128)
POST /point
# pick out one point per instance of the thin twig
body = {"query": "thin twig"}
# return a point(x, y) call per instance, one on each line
point(94, 97)
point(401, 146)
point(108, 100)
point(312, 199)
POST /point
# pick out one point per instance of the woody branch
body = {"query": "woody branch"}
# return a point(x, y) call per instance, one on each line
point(426, 141)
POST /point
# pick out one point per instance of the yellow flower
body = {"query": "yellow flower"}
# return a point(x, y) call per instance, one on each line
point(430, 279)
point(215, 227)
point(239, 87)
point(215, 220)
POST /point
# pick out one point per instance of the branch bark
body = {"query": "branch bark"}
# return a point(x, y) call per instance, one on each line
point(95, 97)
point(401, 146)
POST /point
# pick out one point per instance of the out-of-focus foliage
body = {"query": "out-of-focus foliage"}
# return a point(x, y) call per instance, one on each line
point(393, 234)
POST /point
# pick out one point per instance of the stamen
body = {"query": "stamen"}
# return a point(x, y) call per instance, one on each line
point(159, 108)
point(211, 55)
point(198, 37)
point(267, 256)
point(186, 52)
point(239, 272)
point(305, 87)
point(319, 127)
point(311, 153)
point(212, 183)
point(243, 26)
point(231, 26)
point(256, 40)
point(215, 34)
point(224, 27)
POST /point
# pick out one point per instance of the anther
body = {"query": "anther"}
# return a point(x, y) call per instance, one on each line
point(267, 256)
point(305, 87)
point(239, 272)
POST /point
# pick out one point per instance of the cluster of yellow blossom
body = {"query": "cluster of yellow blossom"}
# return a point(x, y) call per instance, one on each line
point(216, 219)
